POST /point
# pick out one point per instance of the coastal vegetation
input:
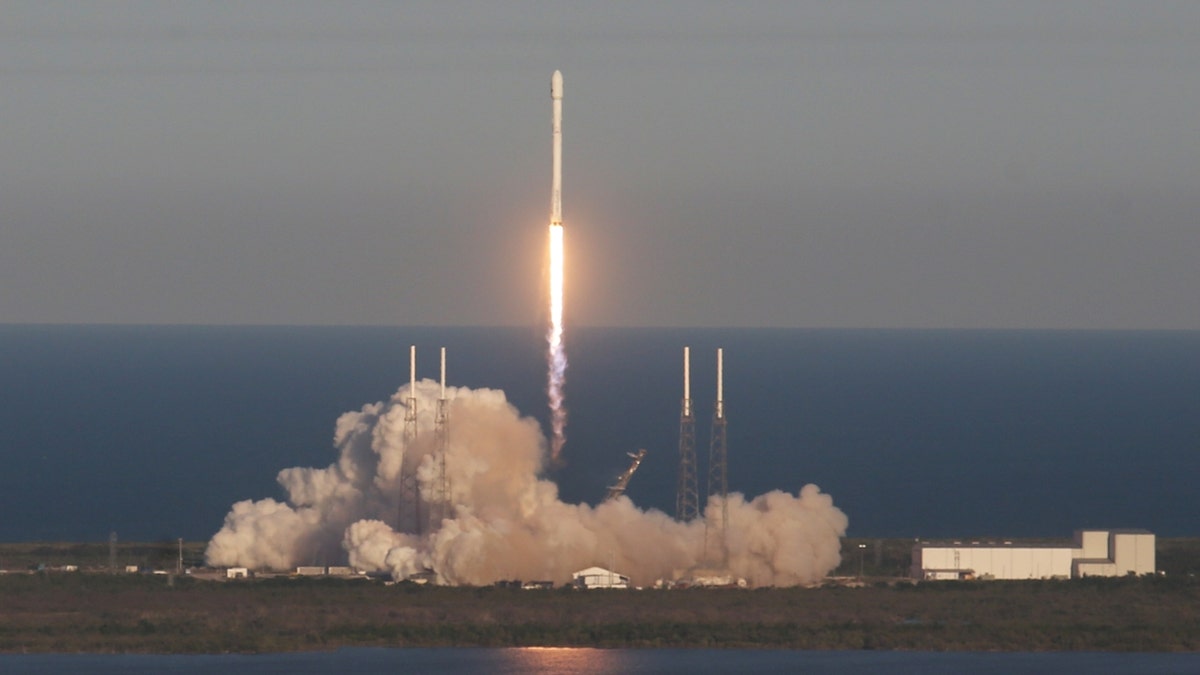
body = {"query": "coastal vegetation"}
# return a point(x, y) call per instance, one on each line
point(69, 612)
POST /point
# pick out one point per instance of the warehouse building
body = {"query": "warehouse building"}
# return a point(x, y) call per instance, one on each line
point(598, 577)
point(1107, 553)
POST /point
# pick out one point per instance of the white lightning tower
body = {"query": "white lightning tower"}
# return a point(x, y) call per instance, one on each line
point(410, 487)
point(442, 435)
point(687, 500)
point(718, 465)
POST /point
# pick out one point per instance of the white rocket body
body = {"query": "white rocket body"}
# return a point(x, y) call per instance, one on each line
point(556, 96)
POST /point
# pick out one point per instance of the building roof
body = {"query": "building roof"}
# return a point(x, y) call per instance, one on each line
point(595, 571)
point(991, 543)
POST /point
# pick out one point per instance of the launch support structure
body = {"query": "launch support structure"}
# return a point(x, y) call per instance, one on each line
point(441, 499)
point(687, 499)
point(617, 489)
point(718, 464)
point(410, 487)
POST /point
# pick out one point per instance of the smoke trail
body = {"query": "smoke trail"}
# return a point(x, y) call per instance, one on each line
point(507, 522)
point(556, 352)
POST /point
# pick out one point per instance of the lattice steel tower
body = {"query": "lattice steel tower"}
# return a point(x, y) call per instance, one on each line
point(718, 465)
point(410, 486)
point(687, 499)
point(440, 504)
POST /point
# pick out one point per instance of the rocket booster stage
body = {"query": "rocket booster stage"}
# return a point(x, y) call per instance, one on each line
point(556, 95)
point(556, 354)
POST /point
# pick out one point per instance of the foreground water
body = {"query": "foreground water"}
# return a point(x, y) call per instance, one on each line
point(153, 432)
point(572, 661)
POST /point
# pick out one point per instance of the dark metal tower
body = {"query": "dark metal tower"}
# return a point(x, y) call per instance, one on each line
point(410, 486)
point(718, 465)
point(687, 500)
point(441, 499)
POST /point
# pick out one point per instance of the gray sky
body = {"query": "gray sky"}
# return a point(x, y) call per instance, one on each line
point(817, 164)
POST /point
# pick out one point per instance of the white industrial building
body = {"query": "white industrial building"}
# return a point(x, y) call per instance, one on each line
point(598, 577)
point(1114, 554)
point(1107, 553)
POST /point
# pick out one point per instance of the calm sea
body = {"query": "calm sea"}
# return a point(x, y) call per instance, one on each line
point(153, 432)
point(571, 661)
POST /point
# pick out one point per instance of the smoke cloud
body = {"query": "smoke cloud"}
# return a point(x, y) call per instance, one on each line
point(506, 522)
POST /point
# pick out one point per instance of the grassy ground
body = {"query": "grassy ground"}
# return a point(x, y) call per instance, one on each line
point(55, 611)
point(96, 555)
point(78, 612)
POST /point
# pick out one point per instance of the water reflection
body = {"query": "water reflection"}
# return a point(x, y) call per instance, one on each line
point(565, 660)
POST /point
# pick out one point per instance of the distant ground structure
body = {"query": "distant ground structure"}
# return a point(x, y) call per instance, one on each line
point(704, 578)
point(598, 577)
point(1095, 553)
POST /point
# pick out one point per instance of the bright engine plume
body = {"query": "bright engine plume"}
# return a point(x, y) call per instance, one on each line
point(556, 353)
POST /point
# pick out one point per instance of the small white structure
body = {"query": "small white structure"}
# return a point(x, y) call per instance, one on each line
point(1095, 553)
point(598, 577)
point(340, 571)
point(237, 573)
point(310, 571)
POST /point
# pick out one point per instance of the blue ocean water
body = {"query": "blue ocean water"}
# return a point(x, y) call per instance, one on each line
point(154, 431)
point(574, 661)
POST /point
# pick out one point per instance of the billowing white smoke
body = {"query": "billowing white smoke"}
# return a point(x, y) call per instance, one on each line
point(506, 523)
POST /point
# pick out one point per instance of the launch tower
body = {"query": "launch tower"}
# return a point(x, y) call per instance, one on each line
point(687, 500)
point(718, 466)
point(441, 499)
point(410, 487)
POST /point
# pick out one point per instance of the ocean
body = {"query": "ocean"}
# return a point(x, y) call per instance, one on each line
point(153, 432)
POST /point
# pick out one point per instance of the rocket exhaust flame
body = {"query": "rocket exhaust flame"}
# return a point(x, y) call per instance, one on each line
point(556, 353)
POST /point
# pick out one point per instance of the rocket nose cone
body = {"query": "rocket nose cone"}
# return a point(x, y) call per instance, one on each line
point(556, 85)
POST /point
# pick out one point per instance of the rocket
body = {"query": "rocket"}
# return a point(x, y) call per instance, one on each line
point(556, 96)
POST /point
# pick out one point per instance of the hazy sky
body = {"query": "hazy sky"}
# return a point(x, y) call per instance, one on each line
point(904, 163)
